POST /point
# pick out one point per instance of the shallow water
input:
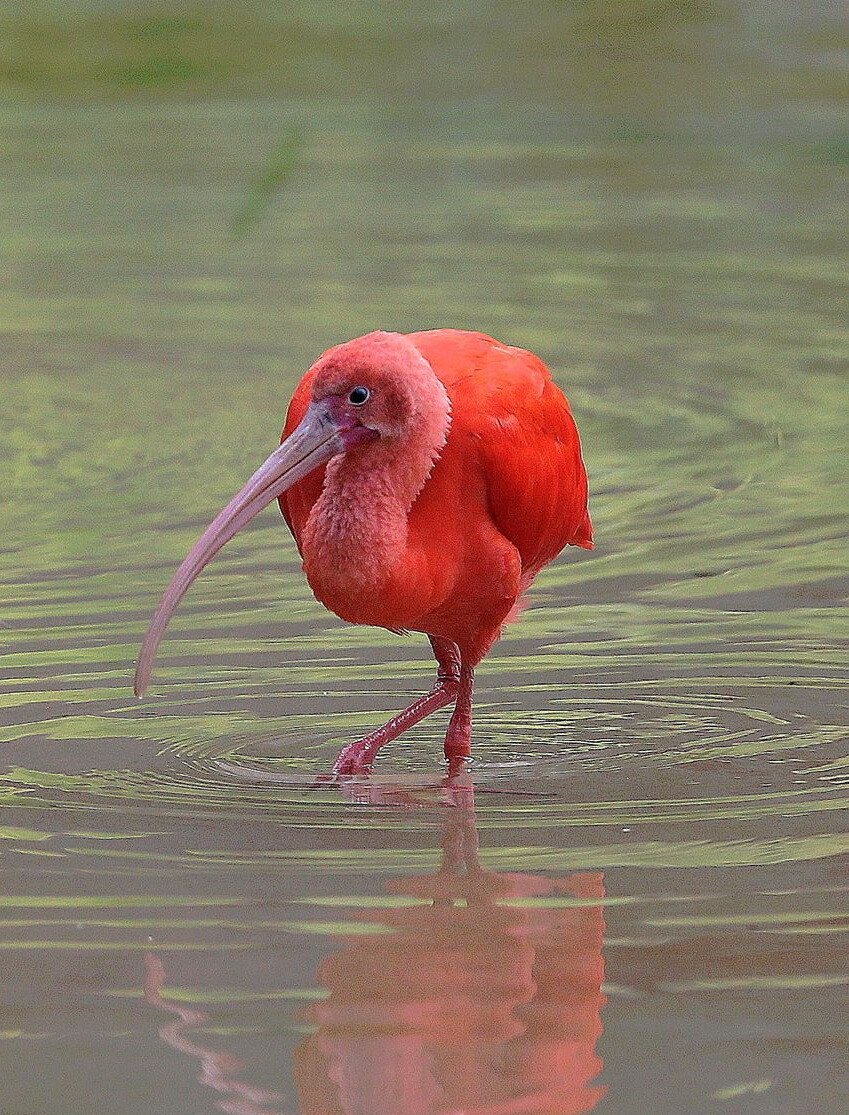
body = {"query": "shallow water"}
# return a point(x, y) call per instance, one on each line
point(636, 901)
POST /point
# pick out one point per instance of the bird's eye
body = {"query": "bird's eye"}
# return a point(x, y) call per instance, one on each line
point(359, 396)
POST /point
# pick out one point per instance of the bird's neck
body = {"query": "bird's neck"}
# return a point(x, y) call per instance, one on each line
point(355, 539)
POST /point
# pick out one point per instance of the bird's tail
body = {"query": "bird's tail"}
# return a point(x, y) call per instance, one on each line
point(584, 534)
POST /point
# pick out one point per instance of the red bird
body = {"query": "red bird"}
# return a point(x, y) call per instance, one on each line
point(427, 478)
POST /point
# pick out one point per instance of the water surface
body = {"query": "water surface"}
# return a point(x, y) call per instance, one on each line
point(637, 899)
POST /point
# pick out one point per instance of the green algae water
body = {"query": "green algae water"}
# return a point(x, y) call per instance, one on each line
point(636, 901)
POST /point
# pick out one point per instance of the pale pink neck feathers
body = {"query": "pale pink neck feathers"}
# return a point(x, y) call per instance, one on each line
point(357, 530)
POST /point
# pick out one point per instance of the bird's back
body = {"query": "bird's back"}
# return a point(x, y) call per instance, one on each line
point(508, 413)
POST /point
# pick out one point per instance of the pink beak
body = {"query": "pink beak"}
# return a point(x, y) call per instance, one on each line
point(318, 438)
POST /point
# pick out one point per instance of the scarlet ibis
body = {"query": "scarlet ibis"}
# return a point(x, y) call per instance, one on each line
point(427, 478)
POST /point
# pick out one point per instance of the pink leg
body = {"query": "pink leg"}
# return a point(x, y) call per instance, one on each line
point(357, 757)
point(458, 738)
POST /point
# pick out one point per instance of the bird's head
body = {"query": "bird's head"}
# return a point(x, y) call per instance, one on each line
point(382, 384)
point(377, 390)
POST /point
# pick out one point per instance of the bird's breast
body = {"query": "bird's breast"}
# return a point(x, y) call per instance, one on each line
point(352, 559)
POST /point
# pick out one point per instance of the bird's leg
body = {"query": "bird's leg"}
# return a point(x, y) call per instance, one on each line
point(358, 756)
point(458, 738)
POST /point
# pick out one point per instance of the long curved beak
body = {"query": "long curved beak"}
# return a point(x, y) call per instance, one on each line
point(316, 440)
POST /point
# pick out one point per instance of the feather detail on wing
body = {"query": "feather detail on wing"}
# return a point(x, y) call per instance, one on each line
point(508, 410)
point(535, 477)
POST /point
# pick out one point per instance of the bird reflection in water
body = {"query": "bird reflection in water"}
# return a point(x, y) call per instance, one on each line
point(220, 1069)
point(485, 999)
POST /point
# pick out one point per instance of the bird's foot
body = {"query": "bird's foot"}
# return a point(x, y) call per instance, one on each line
point(358, 757)
point(458, 747)
point(355, 758)
point(458, 738)
point(459, 767)
point(457, 785)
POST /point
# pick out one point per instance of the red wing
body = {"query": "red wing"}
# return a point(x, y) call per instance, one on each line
point(505, 402)
point(536, 480)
